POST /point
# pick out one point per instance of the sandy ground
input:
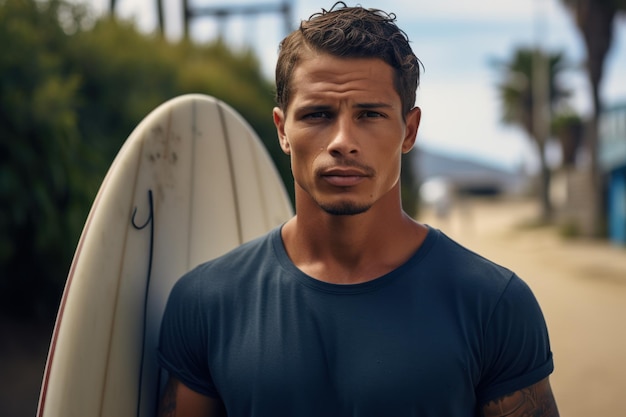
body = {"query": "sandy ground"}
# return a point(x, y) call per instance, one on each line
point(580, 285)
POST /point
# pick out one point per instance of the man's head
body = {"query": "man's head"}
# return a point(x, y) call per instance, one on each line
point(350, 32)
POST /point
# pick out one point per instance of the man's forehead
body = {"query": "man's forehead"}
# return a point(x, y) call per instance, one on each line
point(309, 56)
point(328, 76)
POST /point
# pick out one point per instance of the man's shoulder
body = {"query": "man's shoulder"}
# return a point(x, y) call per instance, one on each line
point(452, 254)
point(225, 270)
point(460, 267)
point(253, 251)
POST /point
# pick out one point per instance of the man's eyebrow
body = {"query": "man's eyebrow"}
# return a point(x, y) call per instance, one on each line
point(367, 106)
point(313, 108)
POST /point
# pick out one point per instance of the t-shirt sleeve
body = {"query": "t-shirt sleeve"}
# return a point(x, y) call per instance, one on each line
point(183, 338)
point(517, 348)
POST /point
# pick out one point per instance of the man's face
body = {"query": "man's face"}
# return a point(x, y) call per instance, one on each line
point(345, 131)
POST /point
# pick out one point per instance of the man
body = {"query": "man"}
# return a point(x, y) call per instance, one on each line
point(352, 308)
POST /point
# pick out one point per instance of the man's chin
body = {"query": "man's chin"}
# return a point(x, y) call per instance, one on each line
point(344, 209)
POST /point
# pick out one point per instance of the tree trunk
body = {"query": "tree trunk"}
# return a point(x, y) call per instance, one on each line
point(597, 184)
point(540, 126)
point(545, 178)
point(595, 20)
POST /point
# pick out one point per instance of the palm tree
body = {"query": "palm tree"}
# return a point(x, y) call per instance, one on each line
point(519, 100)
point(568, 129)
point(595, 20)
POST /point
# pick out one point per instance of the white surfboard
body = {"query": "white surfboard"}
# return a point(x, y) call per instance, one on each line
point(191, 182)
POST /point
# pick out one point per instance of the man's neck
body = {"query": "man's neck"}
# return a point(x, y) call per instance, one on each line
point(351, 249)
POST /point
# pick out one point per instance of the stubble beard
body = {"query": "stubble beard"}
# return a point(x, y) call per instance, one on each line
point(345, 208)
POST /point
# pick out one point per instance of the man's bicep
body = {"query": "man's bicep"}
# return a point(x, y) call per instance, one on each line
point(534, 401)
point(179, 400)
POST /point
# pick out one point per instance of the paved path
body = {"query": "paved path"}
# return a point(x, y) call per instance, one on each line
point(581, 287)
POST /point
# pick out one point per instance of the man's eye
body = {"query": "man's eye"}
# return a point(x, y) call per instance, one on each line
point(317, 115)
point(371, 114)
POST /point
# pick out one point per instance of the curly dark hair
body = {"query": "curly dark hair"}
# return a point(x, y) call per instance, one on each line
point(351, 32)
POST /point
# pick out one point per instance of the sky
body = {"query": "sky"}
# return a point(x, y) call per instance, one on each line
point(457, 41)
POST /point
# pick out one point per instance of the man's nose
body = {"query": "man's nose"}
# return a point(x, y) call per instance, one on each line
point(344, 139)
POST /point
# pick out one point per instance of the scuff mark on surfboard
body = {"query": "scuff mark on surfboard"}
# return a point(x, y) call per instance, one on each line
point(161, 150)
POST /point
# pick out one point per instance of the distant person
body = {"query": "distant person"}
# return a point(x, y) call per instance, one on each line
point(352, 308)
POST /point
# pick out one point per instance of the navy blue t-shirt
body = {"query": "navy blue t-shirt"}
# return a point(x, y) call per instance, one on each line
point(439, 336)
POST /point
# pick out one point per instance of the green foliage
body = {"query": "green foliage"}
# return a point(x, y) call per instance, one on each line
point(71, 90)
point(39, 141)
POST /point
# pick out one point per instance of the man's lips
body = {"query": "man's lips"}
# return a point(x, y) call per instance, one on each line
point(344, 177)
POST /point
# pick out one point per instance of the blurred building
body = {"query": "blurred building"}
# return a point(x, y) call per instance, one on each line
point(612, 158)
point(466, 176)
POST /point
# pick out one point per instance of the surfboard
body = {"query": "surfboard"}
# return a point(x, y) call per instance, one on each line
point(191, 182)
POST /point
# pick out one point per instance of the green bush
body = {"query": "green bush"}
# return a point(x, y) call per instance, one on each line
point(71, 90)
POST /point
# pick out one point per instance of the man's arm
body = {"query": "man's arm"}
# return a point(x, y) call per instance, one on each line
point(180, 401)
point(534, 401)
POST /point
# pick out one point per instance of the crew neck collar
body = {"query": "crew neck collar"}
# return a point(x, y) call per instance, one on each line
point(371, 285)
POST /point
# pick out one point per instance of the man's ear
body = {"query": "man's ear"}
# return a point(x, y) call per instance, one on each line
point(279, 122)
point(412, 126)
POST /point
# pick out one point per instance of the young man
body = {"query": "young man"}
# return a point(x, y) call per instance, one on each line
point(352, 308)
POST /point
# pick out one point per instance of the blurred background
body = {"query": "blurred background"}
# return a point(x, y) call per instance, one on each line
point(521, 154)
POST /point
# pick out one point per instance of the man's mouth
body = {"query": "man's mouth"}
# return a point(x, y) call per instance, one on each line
point(344, 177)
